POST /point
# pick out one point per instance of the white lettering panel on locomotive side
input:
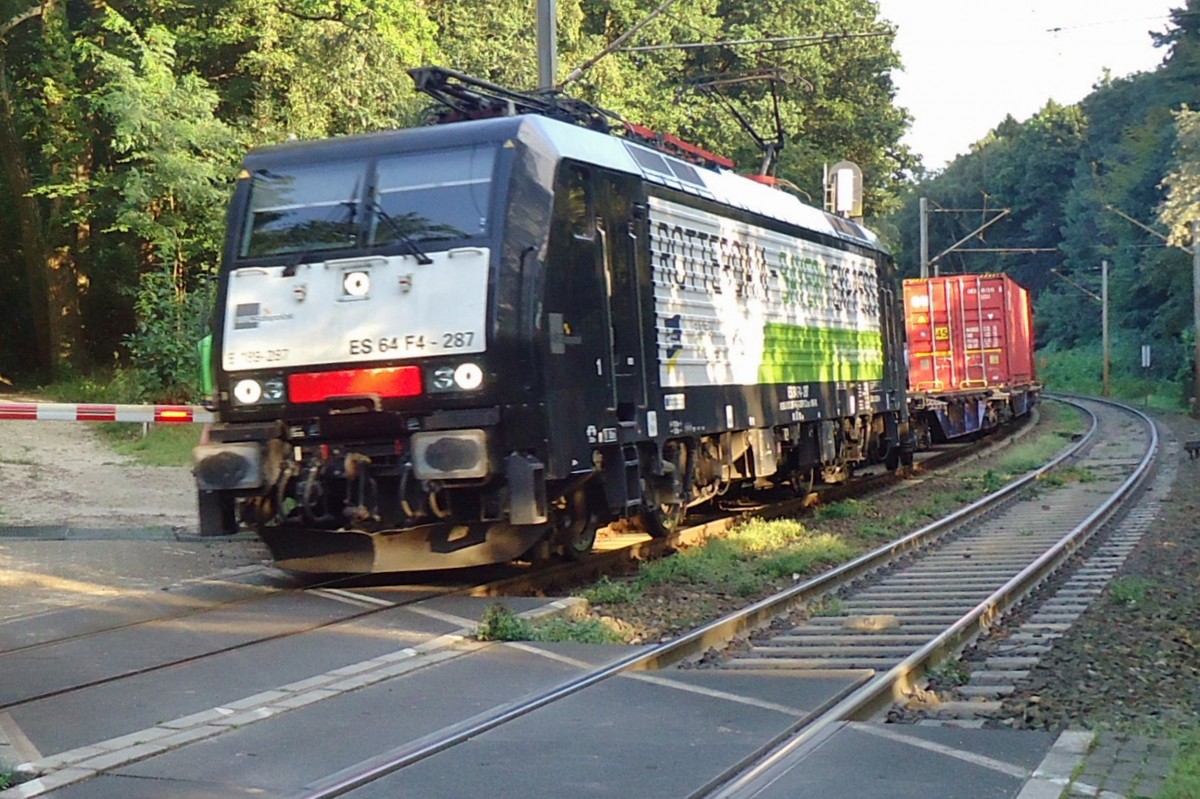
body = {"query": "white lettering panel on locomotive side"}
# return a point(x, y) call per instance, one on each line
point(357, 310)
point(737, 304)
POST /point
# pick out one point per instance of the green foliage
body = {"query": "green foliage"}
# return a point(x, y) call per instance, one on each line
point(612, 592)
point(846, 509)
point(817, 551)
point(1082, 184)
point(1129, 590)
point(155, 445)
point(720, 561)
point(826, 607)
point(950, 673)
point(164, 346)
point(1182, 205)
point(988, 482)
point(748, 559)
point(101, 385)
point(130, 120)
point(577, 631)
point(1183, 781)
point(1080, 371)
point(500, 623)
point(1069, 474)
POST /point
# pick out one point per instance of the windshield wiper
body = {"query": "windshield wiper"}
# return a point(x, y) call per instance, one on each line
point(401, 236)
point(304, 254)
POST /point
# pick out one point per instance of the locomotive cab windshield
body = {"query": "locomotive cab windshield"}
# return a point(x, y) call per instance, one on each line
point(346, 205)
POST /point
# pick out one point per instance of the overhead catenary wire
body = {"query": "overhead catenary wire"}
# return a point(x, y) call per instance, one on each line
point(813, 39)
point(1126, 21)
point(577, 73)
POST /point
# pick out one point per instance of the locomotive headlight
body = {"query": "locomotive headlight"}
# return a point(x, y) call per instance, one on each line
point(272, 390)
point(463, 377)
point(468, 376)
point(356, 284)
point(247, 391)
point(443, 379)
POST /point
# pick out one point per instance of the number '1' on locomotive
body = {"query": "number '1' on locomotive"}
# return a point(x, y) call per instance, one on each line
point(479, 341)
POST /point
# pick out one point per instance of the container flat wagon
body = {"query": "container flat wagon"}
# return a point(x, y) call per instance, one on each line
point(970, 351)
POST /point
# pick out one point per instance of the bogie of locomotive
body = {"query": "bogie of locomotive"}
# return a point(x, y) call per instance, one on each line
point(470, 343)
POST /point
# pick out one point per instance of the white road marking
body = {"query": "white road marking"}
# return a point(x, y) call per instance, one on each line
point(351, 598)
point(12, 736)
point(668, 683)
point(948, 751)
point(449, 618)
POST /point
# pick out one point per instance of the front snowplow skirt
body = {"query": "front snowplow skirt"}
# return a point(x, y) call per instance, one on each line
point(430, 547)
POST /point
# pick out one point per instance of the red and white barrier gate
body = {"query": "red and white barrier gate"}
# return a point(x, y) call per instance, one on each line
point(72, 412)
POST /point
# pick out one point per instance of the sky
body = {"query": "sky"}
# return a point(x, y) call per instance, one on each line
point(969, 63)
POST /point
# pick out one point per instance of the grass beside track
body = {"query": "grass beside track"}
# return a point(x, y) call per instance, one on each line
point(1183, 781)
point(148, 445)
point(156, 445)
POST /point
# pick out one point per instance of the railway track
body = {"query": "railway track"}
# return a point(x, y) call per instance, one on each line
point(617, 551)
point(897, 611)
point(376, 770)
point(205, 604)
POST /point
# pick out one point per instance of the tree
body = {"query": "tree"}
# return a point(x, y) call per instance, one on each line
point(50, 235)
point(121, 125)
point(1182, 205)
point(166, 185)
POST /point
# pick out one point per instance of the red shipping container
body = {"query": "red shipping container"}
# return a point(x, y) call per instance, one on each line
point(968, 333)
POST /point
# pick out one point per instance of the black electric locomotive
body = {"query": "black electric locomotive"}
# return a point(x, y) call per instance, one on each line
point(479, 341)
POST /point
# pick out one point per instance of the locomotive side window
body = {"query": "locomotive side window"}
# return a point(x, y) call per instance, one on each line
point(580, 211)
point(303, 209)
point(433, 196)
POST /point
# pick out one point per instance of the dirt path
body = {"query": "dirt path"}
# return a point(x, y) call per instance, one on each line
point(62, 473)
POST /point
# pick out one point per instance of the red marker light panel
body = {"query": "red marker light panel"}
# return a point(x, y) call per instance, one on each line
point(396, 381)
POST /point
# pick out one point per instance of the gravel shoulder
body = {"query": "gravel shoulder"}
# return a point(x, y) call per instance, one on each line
point(1132, 662)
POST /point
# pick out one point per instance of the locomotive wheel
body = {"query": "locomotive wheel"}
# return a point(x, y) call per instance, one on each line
point(575, 525)
point(892, 460)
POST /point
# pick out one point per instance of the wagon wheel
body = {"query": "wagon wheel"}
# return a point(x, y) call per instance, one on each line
point(662, 518)
point(891, 461)
point(801, 481)
point(575, 524)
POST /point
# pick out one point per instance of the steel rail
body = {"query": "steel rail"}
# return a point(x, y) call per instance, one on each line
point(879, 692)
point(716, 633)
point(270, 593)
